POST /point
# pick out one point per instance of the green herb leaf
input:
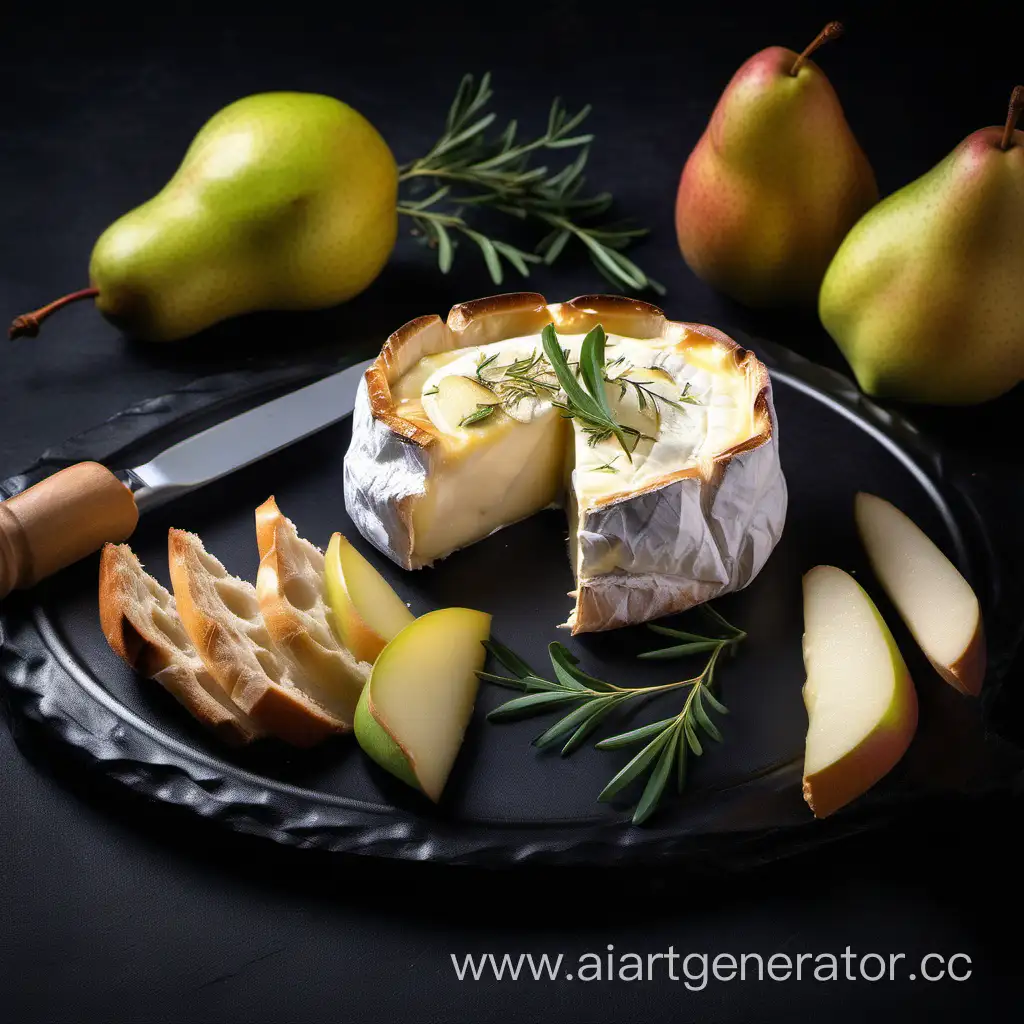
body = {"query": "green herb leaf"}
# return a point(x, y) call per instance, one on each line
point(571, 722)
point(657, 781)
point(703, 720)
point(482, 412)
point(666, 744)
point(634, 736)
point(566, 665)
point(531, 704)
point(516, 257)
point(592, 367)
point(709, 611)
point(682, 751)
point(445, 249)
point(509, 659)
point(635, 767)
point(491, 257)
point(506, 681)
point(496, 171)
point(677, 633)
point(590, 725)
point(715, 703)
point(553, 248)
point(681, 651)
point(691, 737)
point(560, 364)
point(581, 404)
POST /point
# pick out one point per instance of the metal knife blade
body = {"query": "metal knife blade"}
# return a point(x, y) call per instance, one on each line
point(246, 438)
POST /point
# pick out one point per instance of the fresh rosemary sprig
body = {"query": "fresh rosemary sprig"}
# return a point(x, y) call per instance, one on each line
point(695, 643)
point(528, 377)
point(496, 173)
point(587, 402)
point(668, 741)
point(482, 411)
point(571, 685)
point(687, 397)
point(645, 395)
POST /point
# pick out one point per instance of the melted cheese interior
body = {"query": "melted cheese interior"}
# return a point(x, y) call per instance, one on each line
point(503, 468)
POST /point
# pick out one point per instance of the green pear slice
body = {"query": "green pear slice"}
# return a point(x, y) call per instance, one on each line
point(860, 700)
point(367, 614)
point(933, 599)
point(462, 403)
point(413, 712)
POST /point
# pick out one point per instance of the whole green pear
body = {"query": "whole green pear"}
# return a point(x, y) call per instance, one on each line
point(774, 183)
point(284, 200)
point(924, 295)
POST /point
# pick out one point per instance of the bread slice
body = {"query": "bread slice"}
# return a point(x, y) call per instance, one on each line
point(141, 623)
point(222, 616)
point(293, 601)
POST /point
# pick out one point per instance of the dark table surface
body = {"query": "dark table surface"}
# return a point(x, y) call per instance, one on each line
point(112, 910)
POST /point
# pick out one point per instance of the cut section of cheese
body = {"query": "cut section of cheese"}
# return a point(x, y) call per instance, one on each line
point(459, 430)
point(485, 477)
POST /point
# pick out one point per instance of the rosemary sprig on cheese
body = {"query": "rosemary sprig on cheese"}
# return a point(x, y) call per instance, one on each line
point(550, 373)
point(528, 377)
point(483, 410)
point(667, 742)
point(687, 397)
point(585, 398)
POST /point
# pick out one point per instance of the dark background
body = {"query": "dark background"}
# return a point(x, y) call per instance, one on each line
point(112, 910)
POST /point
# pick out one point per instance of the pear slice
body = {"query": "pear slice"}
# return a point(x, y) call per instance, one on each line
point(365, 612)
point(861, 703)
point(461, 403)
point(413, 712)
point(933, 599)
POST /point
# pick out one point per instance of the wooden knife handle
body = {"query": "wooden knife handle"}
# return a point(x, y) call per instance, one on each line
point(59, 520)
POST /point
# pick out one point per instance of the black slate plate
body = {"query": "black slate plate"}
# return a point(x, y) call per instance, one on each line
point(506, 803)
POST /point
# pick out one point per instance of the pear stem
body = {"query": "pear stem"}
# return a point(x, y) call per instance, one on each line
point(28, 324)
point(833, 30)
point(1016, 107)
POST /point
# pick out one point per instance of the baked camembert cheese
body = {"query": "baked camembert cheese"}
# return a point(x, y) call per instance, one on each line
point(463, 427)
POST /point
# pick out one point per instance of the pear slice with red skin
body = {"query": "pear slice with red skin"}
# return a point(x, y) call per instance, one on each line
point(937, 604)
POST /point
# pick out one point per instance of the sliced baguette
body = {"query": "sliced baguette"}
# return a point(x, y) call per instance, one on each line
point(293, 601)
point(141, 623)
point(222, 616)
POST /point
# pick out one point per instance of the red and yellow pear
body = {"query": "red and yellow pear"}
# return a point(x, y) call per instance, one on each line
point(774, 183)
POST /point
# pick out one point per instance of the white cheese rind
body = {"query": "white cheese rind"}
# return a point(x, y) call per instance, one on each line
point(682, 544)
point(381, 473)
point(662, 548)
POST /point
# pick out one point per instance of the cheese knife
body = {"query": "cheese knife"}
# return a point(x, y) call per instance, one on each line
point(76, 511)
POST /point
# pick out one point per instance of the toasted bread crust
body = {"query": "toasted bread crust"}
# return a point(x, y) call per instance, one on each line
point(337, 677)
point(128, 598)
point(237, 648)
point(497, 317)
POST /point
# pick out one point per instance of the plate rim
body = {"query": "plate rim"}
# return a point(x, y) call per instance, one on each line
point(384, 830)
